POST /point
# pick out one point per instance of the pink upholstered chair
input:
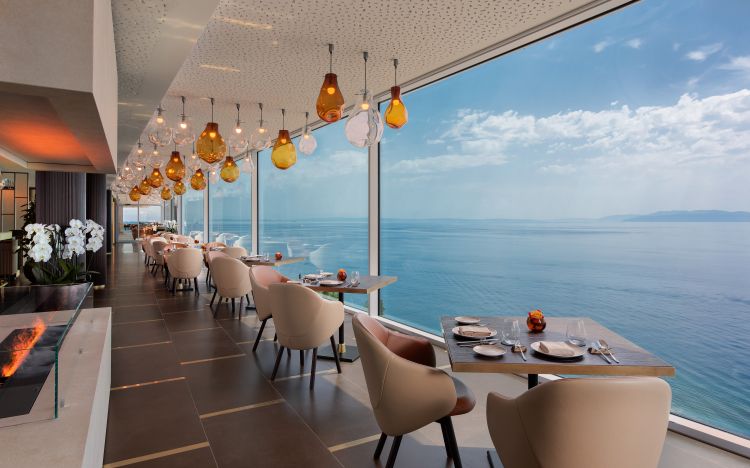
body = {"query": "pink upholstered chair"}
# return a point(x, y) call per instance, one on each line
point(235, 252)
point(158, 244)
point(232, 279)
point(185, 265)
point(261, 277)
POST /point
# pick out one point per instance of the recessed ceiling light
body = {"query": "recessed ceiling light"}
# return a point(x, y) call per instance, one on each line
point(220, 68)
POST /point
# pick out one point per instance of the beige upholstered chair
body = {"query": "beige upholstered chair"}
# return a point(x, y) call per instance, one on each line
point(184, 265)
point(582, 423)
point(235, 252)
point(207, 250)
point(261, 277)
point(304, 321)
point(157, 253)
point(232, 279)
point(406, 391)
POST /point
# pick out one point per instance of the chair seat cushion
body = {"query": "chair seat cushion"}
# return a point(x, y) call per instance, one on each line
point(465, 400)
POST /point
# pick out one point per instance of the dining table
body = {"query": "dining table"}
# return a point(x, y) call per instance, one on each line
point(366, 285)
point(271, 261)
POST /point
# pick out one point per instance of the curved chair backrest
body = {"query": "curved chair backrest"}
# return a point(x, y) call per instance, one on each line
point(231, 276)
point(261, 277)
point(210, 245)
point(404, 395)
point(185, 263)
point(235, 252)
point(574, 423)
point(214, 254)
point(303, 319)
point(157, 249)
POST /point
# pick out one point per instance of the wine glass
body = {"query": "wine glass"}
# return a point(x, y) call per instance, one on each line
point(511, 331)
point(576, 332)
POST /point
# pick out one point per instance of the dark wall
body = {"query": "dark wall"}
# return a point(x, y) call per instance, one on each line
point(96, 210)
point(60, 197)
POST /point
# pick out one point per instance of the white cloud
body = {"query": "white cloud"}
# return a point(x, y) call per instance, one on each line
point(634, 43)
point(601, 45)
point(446, 163)
point(741, 64)
point(702, 53)
point(561, 169)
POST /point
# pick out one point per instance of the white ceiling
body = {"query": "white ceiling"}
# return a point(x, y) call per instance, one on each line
point(274, 51)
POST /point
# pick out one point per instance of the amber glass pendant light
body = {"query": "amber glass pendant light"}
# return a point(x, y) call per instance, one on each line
point(330, 104)
point(198, 181)
point(396, 115)
point(179, 188)
point(261, 137)
point(175, 169)
point(183, 131)
point(284, 155)
point(135, 193)
point(156, 179)
point(166, 194)
point(307, 142)
point(210, 146)
point(230, 172)
point(144, 187)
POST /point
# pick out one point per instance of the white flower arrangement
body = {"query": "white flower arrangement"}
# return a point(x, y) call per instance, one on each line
point(170, 225)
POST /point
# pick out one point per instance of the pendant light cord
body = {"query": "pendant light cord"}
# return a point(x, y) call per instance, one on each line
point(395, 68)
point(364, 55)
point(307, 114)
point(183, 107)
point(283, 119)
point(238, 114)
point(330, 58)
point(212, 109)
point(260, 105)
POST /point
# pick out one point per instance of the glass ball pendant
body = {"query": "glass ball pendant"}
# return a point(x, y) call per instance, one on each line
point(198, 180)
point(183, 131)
point(284, 155)
point(237, 140)
point(260, 139)
point(158, 131)
point(364, 127)
point(166, 194)
point(396, 114)
point(210, 146)
point(247, 166)
point(144, 187)
point(307, 144)
point(155, 160)
point(135, 194)
point(179, 188)
point(229, 171)
point(156, 179)
point(175, 169)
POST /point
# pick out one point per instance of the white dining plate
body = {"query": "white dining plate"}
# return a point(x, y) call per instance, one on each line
point(331, 283)
point(578, 351)
point(313, 276)
point(464, 320)
point(455, 332)
point(326, 273)
point(489, 350)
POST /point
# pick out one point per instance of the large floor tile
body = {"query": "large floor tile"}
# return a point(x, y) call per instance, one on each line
point(131, 334)
point(198, 458)
point(138, 313)
point(191, 320)
point(265, 357)
point(143, 364)
point(204, 344)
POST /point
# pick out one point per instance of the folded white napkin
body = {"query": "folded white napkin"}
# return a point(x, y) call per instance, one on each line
point(474, 331)
point(558, 348)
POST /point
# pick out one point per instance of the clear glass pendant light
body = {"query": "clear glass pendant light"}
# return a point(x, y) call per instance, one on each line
point(155, 160)
point(183, 131)
point(261, 137)
point(307, 142)
point(364, 126)
point(159, 133)
point(237, 141)
point(247, 166)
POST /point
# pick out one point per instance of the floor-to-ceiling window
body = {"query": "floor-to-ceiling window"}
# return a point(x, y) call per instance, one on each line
point(602, 172)
point(229, 212)
point(192, 213)
point(317, 209)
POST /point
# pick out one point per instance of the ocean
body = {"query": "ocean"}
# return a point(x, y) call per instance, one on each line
point(680, 290)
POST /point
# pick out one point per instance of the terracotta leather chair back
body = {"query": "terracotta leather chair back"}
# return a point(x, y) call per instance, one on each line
point(404, 395)
point(578, 423)
point(185, 263)
point(235, 252)
point(303, 319)
point(231, 276)
point(261, 277)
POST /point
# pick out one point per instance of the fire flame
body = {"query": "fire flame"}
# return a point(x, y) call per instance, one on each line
point(21, 346)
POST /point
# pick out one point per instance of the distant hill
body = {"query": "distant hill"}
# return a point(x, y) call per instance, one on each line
point(706, 216)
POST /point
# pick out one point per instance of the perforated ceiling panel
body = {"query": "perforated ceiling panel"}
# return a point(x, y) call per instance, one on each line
point(274, 51)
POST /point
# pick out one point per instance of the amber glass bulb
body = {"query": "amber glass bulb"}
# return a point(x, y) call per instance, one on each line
point(210, 145)
point(396, 114)
point(144, 187)
point(135, 193)
point(179, 188)
point(175, 168)
point(330, 104)
point(284, 155)
point(198, 181)
point(166, 194)
point(156, 179)
point(229, 171)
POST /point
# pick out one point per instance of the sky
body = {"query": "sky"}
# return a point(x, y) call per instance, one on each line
point(645, 109)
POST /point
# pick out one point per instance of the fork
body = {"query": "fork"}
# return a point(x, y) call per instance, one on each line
point(518, 343)
point(605, 345)
point(598, 347)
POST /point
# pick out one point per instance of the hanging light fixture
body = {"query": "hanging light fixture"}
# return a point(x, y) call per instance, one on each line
point(229, 170)
point(139, 157)
point(330, 104)
point(213, 175)
point(283, 155)
point(155, 160)
point(307, 142)
point(156, 179)
point(166, 194)
point(247, 165)
point(194, 162)
point(364, 127)
point(210, 145)
point(198, 180)
point(261, 137)
point(396, 114)
point(183, 131)
point(127, 173)
point(238, 139)
point(179, 188)
point(135, 194)
point(158, 131)
point(175, 169)
point(144, 187)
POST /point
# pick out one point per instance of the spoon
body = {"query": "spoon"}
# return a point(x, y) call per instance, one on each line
point(604, 345)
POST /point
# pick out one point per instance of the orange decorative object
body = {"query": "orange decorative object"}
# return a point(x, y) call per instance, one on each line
point(396, 114)
point(166, 194)
point(135, 194)
point(229, 171)
point(341, 275)
point(278, 256)
point(175, 169)
point(535, 321)
point(179, 188)
point(198, 181)
point(156, 179)
point(144, 187)
point(20, 346)
point(284, 155)
point(210, 145)
point(330, 103)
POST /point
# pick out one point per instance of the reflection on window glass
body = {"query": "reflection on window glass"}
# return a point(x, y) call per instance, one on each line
point(150, 213)
point(229, 212)
point(129, 214)
point(317, 209)
point(192, 213)
point(577, 176)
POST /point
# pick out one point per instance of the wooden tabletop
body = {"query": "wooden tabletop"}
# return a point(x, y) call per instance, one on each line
point(367, 284)
point(634, 360)
point(272, 261)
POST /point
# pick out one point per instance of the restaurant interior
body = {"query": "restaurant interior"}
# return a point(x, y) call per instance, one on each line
point(253, 233)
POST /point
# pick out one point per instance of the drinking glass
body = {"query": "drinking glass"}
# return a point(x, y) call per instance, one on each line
point(355, 278)
point(511, 332)
point(576, 332)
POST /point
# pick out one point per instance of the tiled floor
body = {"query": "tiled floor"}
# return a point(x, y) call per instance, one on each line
point(187, 391)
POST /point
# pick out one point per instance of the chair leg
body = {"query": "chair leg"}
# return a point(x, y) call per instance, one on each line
point(394, 451)
point(174, 285)
point(446, 437)
point(312, 368)
point(275, 337)
point(260, 332)
point(213, 297)
point(195, 284)
point(278, 361)
point(232, 307)
point(301, 361)
point(453, 442)
point(336, 354)
point(381, 444)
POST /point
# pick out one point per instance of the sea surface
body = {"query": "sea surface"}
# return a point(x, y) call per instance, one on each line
point(680, 290)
